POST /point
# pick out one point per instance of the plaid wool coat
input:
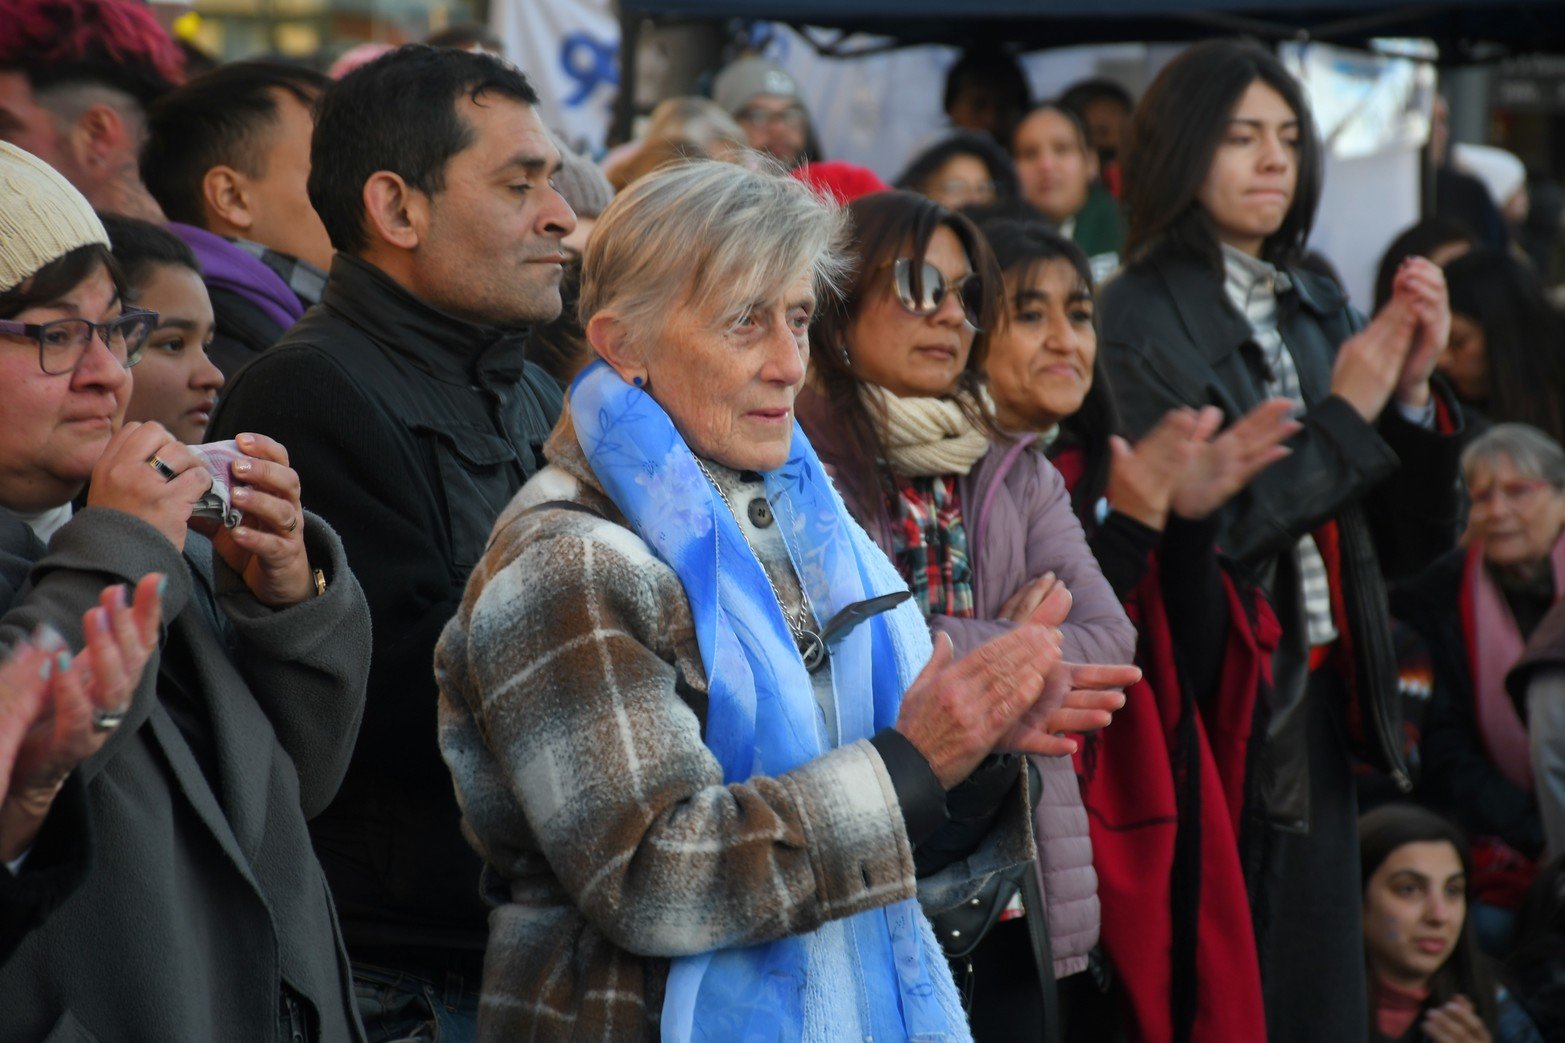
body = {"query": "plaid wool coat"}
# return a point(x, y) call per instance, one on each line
point(571, 711)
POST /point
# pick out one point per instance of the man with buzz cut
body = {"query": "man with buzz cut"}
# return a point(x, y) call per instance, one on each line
point(412, 416)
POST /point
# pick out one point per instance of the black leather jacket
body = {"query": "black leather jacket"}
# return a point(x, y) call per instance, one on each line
point(410, 430)
point(1171, 338)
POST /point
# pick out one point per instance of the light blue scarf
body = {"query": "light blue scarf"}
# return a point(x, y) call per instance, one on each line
point(761, 713)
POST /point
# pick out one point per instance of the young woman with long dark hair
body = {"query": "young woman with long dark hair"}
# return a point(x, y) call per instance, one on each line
point(1223, 178)
point(1428, 981)
point(1506, 356)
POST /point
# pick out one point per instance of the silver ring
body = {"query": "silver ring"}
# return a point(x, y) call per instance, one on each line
point(292, 525)
point(108, 720)
point(168, 473)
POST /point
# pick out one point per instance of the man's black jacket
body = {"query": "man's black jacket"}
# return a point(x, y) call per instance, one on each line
point(410, 430)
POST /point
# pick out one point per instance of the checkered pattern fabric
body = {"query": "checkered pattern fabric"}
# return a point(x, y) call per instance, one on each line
point(1252, 285)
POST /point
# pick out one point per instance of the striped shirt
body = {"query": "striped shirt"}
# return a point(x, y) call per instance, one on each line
point(1252, 286)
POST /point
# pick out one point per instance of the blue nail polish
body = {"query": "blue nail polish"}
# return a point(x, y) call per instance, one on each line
point(48, 638)
point(43, 671)
point(162, 585)
point(64, 659)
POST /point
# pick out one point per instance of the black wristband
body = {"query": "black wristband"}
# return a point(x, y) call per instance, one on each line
point(919, 793)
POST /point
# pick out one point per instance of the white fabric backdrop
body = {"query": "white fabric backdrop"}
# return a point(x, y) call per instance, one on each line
point(569, 49)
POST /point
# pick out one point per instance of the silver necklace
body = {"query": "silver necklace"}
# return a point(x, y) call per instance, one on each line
point(812, 649)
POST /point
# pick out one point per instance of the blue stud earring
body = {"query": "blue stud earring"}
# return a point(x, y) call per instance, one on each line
point(636, 381)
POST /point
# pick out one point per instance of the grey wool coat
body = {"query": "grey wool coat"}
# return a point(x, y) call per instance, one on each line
point(203, 895)
point(571, 714)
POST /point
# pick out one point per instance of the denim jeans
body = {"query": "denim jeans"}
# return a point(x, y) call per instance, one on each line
point(401, 1007)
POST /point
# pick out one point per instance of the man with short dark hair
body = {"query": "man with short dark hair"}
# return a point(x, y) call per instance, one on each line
point(75, 79)
point(412, 417)
point(228, 157)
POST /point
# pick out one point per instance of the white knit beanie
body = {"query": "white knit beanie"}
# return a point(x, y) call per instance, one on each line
point(42, 216)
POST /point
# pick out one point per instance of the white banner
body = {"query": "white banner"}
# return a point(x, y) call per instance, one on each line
point(569, 49)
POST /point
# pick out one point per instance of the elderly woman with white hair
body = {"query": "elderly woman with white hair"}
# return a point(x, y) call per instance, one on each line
point(1476, 608)
point(699, 735)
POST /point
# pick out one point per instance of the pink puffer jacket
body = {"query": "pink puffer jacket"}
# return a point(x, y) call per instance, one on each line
point(1020, 525)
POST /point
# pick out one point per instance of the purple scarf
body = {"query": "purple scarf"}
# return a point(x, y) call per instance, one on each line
point(226, 267)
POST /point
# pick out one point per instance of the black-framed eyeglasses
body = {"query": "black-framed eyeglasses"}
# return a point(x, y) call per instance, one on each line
point(922, 290)
point(63, 343)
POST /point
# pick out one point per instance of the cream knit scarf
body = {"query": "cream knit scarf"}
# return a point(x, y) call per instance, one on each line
point(927, 436)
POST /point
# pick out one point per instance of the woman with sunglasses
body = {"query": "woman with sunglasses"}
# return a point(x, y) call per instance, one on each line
point(982, 530)
point(1222, 180)
point(204, 913)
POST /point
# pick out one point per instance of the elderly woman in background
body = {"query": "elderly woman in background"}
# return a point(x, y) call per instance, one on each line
point(1476, 607)
point(696, 729)
point(203, 914)
point(980, 528)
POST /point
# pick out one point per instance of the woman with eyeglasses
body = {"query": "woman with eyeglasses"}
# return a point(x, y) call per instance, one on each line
point(961, 170)
point(982, 530)
point(1476, 608)
point(203, 914)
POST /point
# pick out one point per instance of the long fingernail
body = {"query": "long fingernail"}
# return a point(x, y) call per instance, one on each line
point(47, 638)
point(162, 585)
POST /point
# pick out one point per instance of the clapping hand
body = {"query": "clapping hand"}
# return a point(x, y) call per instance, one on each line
point(1223, 465)
point(57, 710)
point(1421, 284)
point(1077, 697)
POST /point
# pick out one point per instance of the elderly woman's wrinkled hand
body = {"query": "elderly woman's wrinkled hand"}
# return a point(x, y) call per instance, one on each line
point(56, 710)
point(957, 711)
point(147, 472)
point(267, 548)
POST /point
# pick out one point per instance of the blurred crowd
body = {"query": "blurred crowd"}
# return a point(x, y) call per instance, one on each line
point(454, 588)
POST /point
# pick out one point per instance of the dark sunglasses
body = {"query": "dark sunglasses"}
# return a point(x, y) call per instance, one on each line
point(922, 288)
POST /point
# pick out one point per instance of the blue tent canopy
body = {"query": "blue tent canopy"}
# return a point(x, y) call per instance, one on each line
point(1475, 30)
